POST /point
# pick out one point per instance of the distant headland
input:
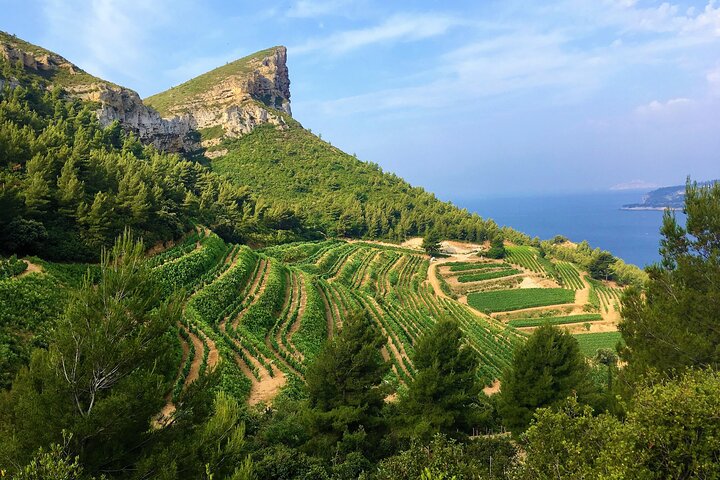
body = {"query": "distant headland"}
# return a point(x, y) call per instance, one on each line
point(665, 198)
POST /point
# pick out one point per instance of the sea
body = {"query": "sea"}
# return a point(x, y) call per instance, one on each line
point(633, 235)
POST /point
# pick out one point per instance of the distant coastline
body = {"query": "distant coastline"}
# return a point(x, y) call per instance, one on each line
point(644, 208)
point(665, 198)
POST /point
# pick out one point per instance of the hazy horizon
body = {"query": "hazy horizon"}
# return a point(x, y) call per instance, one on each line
point(503, 98)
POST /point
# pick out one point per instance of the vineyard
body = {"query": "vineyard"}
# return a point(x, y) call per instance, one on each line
point(528, 289)
point(260, 317)
point(569, 319)
point(591, 342)
point(517, 299)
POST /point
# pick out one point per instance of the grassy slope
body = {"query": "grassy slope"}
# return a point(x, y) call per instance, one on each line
point(295, 167)
point(164, 101)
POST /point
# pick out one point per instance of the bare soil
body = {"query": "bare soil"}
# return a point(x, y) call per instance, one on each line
point(31, 268)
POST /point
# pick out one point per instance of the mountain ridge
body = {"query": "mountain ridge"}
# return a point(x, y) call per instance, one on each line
point(254, 93)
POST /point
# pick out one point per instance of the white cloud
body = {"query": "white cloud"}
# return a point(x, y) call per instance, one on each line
point(668, 107)
point(398, 28)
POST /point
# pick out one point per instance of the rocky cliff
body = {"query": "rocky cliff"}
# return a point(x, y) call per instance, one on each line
point(234, 98)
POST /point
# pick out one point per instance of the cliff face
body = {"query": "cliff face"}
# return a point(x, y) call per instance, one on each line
point(125, 106)
point(236, 97)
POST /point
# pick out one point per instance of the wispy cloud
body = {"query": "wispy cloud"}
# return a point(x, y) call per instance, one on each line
point(554, 52)
point(115, 33)
point(668, 107)
point(317, 8)
point(398, 28)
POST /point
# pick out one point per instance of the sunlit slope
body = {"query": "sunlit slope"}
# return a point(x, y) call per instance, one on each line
point(261, 317)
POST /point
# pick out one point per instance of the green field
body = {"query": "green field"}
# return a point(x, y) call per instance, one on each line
point(569, 275)
point(477, 277)
point(462, 267)
point(507, 300)
point(591, 342)
point(536, 322)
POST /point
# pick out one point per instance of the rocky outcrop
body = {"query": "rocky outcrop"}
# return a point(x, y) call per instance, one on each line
point(237, 97)
point(125, 106)
point(39, 60)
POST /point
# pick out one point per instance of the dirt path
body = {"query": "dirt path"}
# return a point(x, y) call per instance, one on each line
point(492, 389)
point(595, 327)
point(213, 354)
point(583, 296)
point(31, 268)
point(432, 278)
point(265, 389)
point(194, 372)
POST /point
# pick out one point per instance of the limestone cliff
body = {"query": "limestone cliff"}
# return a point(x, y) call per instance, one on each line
point(231, 100)
point(236, 97)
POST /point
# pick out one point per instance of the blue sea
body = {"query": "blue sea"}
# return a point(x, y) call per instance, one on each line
point(633, 236)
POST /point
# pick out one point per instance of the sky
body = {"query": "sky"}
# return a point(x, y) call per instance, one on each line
point(469, 99)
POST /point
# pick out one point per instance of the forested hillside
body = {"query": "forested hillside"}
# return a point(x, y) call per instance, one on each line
point(337, 193)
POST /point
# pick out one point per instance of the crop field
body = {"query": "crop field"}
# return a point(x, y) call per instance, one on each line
point(529, 258)
point(604, 297)
point(569, 275)
point(569, 319)
point(477, 277)
point(463, 266)
point(260, 317)
point(517, 299)
point(591, 342)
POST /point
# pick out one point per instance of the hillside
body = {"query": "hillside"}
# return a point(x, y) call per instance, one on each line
point(200, 287)
point(672, 198)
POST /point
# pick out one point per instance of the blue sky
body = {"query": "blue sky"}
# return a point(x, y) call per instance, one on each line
point(466, 98)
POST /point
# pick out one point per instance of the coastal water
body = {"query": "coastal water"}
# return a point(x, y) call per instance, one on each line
point(633, 236)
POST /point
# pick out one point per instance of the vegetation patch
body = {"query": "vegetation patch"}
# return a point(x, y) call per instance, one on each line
point(536, 322)
point(477, 277)
point(462, 266)
point(590, 343)
point(506, 300)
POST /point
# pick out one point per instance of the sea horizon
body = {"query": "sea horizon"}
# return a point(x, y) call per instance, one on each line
point(598, 217)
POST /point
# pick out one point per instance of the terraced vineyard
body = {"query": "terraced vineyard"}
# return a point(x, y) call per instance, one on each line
point(529, 258)
point(526, 290)
point(604, 297)
point(517, 299)
point(261, 317)
point(569, 319)
point(569, 275)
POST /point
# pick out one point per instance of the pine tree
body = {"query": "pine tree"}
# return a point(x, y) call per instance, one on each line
point(70, 189)
point(105, 372)
point(545, 370)
point(431, 242)
point(344, 390)
point(673, 323)
point(97, 220)
point(440, 398)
